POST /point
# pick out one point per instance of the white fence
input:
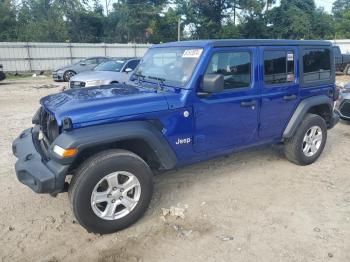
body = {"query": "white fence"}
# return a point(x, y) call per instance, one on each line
point(21, 57)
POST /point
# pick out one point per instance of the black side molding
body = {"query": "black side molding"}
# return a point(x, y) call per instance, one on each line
point(302, 109)
point(89, 137)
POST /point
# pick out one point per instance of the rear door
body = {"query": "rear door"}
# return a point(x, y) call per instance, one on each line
point(279, 89)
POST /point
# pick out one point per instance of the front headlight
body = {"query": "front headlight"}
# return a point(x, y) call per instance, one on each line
point(65, 152)
point(93, 83)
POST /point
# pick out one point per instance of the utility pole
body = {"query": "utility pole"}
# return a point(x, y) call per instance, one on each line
point(179, 29)
point(234, 13)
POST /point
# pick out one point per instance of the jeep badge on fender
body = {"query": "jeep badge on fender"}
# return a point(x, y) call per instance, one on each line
point(110, 139)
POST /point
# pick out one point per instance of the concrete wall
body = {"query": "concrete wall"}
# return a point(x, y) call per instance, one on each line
point(21, 57)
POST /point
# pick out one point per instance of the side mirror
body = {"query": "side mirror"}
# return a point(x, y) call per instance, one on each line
point(212, 83)
point(83, 64)
point(128, 70)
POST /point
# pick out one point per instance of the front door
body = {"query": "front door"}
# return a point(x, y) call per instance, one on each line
point(280, 89)
point(229, 119)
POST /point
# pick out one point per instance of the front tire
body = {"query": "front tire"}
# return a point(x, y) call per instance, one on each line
point(111, 191)
point(68, 75)
point(307, 144)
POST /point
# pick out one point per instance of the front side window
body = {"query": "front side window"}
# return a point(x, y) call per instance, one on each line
point(132, 64)
point(235, 66)
point(316, 64)
point(278, 67)
point(173, 65)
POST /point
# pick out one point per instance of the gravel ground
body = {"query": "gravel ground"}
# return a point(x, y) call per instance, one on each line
point(250, 206)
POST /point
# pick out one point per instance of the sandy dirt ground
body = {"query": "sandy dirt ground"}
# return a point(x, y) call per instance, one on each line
point(249, 206)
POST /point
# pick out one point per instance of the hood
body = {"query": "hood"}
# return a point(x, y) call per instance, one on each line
point(99, 75)
point(64, 67)
point(87, 106)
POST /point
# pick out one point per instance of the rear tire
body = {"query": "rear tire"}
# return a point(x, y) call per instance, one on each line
point(308, 142)
point(105, 169)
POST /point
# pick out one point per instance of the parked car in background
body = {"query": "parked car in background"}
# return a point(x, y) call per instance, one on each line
point(342, 61)
point(65, 73)
point(343, 104)
point(109, 72)
point(2, 74)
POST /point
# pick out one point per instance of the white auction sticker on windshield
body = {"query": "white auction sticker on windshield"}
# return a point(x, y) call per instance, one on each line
point(192, 53)
point(290, 57)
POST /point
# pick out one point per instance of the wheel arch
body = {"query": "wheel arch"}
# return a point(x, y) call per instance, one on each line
point(319, 105)
point(70, 70)
point(140, 137)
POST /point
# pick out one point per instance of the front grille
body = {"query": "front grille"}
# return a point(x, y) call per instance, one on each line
point(345, 108)
point(48, 125)
point(77, 84)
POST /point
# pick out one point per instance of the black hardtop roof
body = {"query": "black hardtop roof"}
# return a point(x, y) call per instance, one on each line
point(247, 42)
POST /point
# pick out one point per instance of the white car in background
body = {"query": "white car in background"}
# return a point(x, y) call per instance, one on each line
point(109, 72)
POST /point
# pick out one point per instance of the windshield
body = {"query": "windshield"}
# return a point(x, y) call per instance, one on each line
point(173, 65)
point(112, 65)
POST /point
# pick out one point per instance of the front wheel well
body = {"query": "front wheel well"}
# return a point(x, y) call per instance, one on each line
point(323, 111)
point(70, 70)
point(137, 146)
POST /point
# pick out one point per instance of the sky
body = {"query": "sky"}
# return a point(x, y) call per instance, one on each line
point(326, 4)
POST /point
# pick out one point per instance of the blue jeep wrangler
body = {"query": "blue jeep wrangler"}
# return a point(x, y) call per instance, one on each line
point(186, 102)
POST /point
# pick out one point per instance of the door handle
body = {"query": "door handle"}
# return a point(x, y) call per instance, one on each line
point(289, 98)
point(248, 103)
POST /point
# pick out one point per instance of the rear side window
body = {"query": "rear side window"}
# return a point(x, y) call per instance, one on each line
point(316, 64)
point(91, 61)
point(235, 66)
point(278, 67)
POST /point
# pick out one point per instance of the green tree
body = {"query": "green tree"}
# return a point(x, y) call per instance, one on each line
point(339, 6)
point(42, 21)
point(163, 28)
point(253, 21)
point(131, 19)
point(8, 21)
point(342, 23)
point(292, 19)
point(322, 25)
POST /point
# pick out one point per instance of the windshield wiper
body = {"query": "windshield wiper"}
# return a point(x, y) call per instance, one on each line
point(160, 81)
point(138, 76)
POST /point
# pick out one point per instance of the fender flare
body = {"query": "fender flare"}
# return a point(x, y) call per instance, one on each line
point(301, 111)
point(93, 136)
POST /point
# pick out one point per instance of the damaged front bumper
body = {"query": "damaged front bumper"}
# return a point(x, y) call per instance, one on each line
point(32, 169)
